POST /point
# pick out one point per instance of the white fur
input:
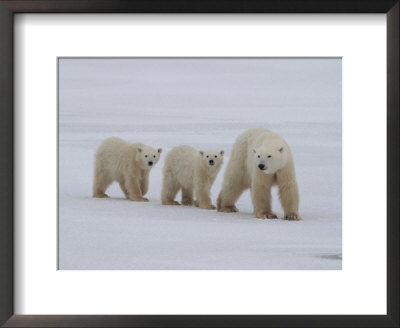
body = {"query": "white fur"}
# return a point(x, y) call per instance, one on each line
point(127, 163)
point(259, 160)
point(189, 169)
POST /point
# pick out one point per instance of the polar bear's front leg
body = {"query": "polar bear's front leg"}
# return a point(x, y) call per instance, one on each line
point(203, 199)
point(230, 192)
point(289, 196)
point(261, 197)
point(144, 184)
point(134, 191)
point(235, 182)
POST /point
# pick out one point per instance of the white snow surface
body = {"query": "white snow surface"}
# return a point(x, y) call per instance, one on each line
point(205, 103)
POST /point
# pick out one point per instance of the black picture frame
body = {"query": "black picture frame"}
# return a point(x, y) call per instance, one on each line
point(10, 7)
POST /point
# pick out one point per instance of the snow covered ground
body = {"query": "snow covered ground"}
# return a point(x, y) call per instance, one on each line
point(205, 103)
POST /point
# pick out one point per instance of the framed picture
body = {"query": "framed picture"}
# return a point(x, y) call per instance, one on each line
point(70, 82)
point(208, 102)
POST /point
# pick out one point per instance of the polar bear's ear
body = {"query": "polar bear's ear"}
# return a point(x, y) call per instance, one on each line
point(221, 152)
point(201, 152)
point(254, 151)
point(281, 149)
point(159, 150)
point(139, 150)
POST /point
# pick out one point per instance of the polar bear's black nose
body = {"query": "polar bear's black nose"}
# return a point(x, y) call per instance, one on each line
point(261, 166)
point(150, 163)
point(211, 161)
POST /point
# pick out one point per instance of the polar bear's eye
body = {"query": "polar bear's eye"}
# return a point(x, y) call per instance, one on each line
point(215, 156)
point(207, 156)
point(269, 156)
point(258, 156)
point(145, 155)
point(154, 156)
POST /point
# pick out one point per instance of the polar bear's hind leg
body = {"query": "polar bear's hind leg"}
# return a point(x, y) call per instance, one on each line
point(100, 184)
point(169, 190)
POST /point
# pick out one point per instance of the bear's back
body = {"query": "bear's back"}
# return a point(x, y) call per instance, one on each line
point(115, 153)
point(113, 143)
point(181, 152)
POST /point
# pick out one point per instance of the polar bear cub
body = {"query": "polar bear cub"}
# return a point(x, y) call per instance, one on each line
point(127, 163)
point(192, 171)
point(259, 160)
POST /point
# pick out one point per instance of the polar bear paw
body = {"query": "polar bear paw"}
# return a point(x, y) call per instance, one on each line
point(292, 217)
point(228, 209)
point(266, 215)
point(101, 195)
point(187, 202)
point(139, 199)
point(171, 202)
point(207, 207)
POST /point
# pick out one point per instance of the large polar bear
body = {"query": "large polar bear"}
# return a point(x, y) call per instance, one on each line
point(192, 171)
point(259, 160)
point(127, 163)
